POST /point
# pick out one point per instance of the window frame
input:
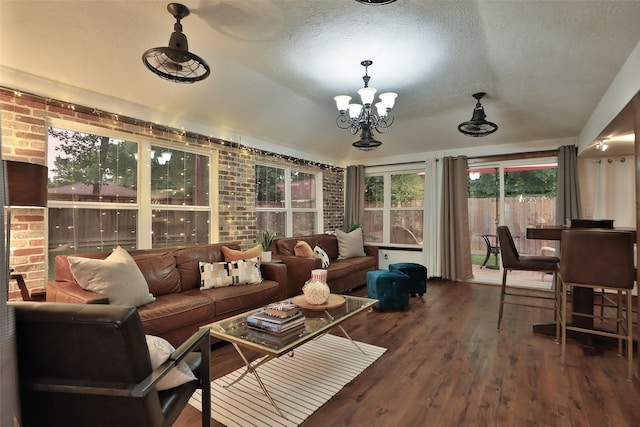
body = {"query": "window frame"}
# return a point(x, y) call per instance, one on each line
point(288, 209)
point(386, 172)
point(143, 206)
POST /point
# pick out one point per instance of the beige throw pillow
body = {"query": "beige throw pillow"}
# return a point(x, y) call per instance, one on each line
point(117, 277)
point(351, 244)
point(303, 249)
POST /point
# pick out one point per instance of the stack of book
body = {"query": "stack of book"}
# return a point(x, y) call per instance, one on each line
point(278, 319)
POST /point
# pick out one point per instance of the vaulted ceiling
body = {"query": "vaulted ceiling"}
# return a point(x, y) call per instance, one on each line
point(277, 64)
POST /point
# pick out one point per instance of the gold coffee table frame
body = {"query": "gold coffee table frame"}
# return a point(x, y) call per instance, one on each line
point(318, 321)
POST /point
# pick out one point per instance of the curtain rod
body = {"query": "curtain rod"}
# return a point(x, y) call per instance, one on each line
point(512, 156)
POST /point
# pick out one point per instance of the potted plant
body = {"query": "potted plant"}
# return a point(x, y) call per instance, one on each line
point(265, 238)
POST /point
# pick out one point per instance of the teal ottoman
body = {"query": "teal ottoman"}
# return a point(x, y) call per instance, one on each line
point(416, 272)
point(391, 288)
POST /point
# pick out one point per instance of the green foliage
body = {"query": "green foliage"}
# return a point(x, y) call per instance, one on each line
point(356, 225)
point(267, 180)
point(374, 189)
point(93, 160)
point(405, 188)
point(265, 238)
point(536, 182)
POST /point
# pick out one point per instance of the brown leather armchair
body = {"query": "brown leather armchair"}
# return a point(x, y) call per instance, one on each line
point(89, 365)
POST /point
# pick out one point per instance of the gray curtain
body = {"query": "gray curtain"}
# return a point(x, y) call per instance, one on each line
point(354, 199)
point(456, 243)
point(568, 204)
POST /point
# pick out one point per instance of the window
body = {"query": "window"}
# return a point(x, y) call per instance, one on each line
point(288, 201)
point(518, 194)
point(394, 207)
point(101, 193)
point(179, 196)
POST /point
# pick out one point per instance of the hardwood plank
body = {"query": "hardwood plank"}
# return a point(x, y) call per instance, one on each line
point(448, 365)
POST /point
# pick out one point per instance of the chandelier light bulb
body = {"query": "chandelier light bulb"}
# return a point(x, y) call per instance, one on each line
point(362, 117)
point(342, 102)
point(367, 94)
point(388, 99)
point(354, 110)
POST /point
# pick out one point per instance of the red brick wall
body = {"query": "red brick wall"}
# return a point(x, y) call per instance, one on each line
point(24, 132)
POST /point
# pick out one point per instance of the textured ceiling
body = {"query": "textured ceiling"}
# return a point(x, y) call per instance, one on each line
point(276, 65)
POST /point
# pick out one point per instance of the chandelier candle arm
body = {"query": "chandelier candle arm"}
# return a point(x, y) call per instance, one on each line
point(357, 117)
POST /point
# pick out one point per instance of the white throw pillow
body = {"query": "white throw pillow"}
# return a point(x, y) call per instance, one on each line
point(117, 277)
point(220, 274)
point(351, 244)
point(159, 352)
point(320, 253)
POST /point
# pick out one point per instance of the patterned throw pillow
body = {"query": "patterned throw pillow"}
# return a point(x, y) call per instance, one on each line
point(221, 274)
point(159, 352)
point(320, 253)
point(302, 249)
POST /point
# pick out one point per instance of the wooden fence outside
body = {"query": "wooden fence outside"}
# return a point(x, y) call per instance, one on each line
point(520, 213)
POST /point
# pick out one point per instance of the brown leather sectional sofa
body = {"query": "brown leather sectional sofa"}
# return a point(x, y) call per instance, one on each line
point(173, 277)
point(342, 274)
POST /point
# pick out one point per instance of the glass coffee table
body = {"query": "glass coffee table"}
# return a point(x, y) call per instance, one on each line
point(319, 320)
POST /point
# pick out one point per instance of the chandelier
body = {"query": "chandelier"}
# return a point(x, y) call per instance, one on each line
point(360, 117)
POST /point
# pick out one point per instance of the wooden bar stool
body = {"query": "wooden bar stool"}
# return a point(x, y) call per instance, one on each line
point(512, 260)
point(599, 259)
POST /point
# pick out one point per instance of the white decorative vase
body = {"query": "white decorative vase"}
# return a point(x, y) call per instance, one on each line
point(316, 292)
point(265, 256)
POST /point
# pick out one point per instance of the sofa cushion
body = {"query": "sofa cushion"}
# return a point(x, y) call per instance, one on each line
point(303, 249)
point(117, 277)
point(238, 299)
point(221, 274)
point(350, 244)
point(235, 255)
point(160, 273)
point(328, 242)
point(159, 352)
point(169, 311)
point(339, 269)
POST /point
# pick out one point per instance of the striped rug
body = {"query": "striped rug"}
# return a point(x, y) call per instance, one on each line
point(299, 385)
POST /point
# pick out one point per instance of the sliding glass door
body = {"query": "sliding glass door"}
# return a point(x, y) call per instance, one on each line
point(518, 194)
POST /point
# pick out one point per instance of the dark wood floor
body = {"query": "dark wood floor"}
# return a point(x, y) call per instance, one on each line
point(447, 365)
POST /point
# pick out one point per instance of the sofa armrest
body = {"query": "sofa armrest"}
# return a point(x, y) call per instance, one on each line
point(277, 272)
point(65, 291)
point(298, 271)
point(373, 251)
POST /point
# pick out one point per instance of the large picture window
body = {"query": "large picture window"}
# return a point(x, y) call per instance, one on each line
point(518, 194)
point(288, 201)
point(106, 189)
point(394, 208)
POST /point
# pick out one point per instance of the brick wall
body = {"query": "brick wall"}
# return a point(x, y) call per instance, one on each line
point(24, 131)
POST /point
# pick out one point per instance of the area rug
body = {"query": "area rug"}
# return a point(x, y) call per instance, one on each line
point(299, 385)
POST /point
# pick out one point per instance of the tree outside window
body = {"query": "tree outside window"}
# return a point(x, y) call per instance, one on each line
point(394, 205)
point(94, 202)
